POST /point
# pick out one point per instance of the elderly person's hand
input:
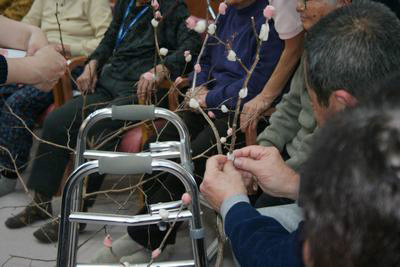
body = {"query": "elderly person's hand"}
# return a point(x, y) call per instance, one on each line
point(88, 79)
point(49, 66)
point(221, 181)
point(273, 175)
point(252, 111)
point(200, 94)
point(64, 50)
point(150, 80)
point(36, 41)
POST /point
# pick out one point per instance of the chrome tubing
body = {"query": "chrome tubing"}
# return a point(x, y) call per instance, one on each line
point(68, 234)
point(96, 154)
point(173, 205)
point(101, 114)
point(123, 220)
point(71, 202)
point(188, 263)
point(86, 125)
point(196, 227)
point(211, 10)
point(165, 146)
point(185, 149)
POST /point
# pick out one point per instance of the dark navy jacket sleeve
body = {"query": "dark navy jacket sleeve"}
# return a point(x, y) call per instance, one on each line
point(261, 241)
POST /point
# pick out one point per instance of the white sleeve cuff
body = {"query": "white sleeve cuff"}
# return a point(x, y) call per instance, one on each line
point(230, 202)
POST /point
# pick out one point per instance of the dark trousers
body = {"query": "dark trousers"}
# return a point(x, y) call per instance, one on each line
point(61, 127)
point(168, 187)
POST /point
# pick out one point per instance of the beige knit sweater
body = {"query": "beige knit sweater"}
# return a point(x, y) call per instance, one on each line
point(83, 22)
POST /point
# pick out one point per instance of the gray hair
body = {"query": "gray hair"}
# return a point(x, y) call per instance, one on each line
point(351, 47)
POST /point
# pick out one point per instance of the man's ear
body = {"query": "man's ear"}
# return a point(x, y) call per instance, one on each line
point(342, 99)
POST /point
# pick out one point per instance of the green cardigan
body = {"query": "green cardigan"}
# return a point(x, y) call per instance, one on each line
point(292, 125)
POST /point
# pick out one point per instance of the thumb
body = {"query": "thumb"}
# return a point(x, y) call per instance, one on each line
point(229, 167)
point(246, 164)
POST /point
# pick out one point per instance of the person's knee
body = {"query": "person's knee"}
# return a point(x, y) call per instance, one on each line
point(56, 123)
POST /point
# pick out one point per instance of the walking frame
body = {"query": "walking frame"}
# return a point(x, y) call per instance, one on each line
point(105, 162)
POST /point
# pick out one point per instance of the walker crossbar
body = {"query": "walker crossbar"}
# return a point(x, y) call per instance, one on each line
point(173, 205)
point(134, 113)
point(96, 154)
point(67, 246)
point(189, 263)
point(124, 220)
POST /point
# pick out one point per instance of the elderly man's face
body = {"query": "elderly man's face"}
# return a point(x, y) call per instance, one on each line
point(311, 11)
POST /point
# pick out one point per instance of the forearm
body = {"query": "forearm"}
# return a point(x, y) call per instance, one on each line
point(22, 70)
point(17, 34)
point(284, 69)
point(291, 190)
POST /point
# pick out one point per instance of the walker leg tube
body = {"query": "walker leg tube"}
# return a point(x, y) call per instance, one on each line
point(196, 227)
point(186, 155)
point(92, 119)
point(189, 263)
point(68, 234)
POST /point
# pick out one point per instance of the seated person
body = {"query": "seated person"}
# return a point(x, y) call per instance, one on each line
point(228, 80)
point(293, 124)
point(252, 234)
point(15, 9)
point(109, 78)
point(290, 29)
point(83, 25)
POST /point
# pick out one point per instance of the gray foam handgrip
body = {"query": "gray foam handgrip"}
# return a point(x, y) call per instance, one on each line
point(125, 165)
point(133, 112)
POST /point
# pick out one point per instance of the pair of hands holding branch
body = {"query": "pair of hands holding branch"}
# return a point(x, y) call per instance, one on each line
point(252, 165)
point(42, 66)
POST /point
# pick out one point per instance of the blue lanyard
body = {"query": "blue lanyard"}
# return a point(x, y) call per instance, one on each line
point(123, 30)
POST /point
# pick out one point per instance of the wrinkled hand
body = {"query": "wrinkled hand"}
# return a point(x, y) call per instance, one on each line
point(252, 111)
point(66, 51)
point(267, 166)
point(37, 41)
point(200, 94)
point(147, 85)
point(88, 79)
point(250, 182)
point(221, 181)
point(50, 66)
point(180, 82)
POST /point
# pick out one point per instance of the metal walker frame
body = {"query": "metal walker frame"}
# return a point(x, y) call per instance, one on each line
point(128, 163)
point(155, 160)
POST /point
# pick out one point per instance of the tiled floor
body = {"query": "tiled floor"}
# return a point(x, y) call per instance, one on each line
point(21, 244)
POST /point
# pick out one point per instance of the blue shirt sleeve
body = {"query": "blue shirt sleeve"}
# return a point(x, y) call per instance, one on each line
point(261, 241)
